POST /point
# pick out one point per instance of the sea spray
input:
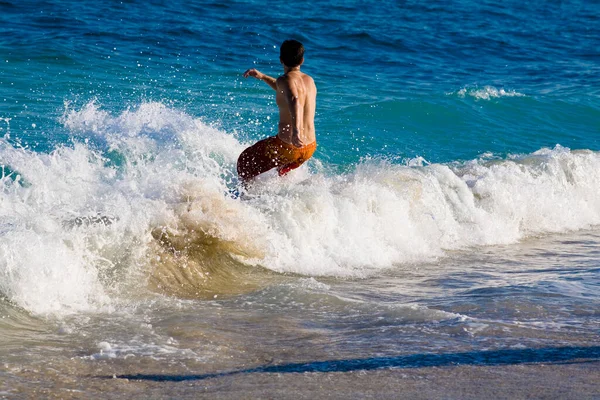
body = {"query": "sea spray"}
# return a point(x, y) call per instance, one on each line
point(167, 201)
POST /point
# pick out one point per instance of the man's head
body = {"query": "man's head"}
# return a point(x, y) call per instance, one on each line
point(291, 53)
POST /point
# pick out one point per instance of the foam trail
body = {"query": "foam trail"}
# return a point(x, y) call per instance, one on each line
point(487, 92)
point(154, 169)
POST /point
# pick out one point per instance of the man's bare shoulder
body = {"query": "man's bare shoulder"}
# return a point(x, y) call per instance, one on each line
point(283, 80)
point(308, 79)
point(289, 80)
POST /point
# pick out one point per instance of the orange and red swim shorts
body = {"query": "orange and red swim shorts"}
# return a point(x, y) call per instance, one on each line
point(269, 153)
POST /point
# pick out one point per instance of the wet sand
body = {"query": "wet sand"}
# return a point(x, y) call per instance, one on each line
point(573, 379)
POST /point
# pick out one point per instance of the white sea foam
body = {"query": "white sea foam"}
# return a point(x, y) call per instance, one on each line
point(487, 92)
point(138, 347)
point(175, 171)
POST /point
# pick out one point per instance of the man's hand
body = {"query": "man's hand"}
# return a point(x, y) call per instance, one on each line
point(254, 73)
point(296, 137)
point(260, 76)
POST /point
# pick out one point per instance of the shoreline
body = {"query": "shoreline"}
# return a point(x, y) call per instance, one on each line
point(577, 379)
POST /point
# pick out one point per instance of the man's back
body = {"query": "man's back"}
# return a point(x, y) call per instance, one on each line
point(296, 90)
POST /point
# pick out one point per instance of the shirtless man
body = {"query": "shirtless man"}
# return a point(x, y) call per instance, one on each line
point(296, 98)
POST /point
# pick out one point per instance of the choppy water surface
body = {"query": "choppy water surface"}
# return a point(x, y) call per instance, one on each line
point(449, 217)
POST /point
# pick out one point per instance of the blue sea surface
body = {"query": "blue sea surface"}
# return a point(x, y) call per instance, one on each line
point(395, 79)
point(449, 217)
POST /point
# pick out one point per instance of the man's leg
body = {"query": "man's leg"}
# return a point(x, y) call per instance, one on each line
point(284, 169)
point(302, 155)
point(258, 158)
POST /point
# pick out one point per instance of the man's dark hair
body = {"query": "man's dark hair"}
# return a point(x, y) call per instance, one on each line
point(291, 53)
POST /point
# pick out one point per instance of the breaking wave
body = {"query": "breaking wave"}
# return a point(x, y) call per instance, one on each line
point(142, 203)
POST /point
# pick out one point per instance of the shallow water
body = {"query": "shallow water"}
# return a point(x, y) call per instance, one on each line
point(534, 302)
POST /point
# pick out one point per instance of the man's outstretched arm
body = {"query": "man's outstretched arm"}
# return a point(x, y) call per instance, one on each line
point(260, 76)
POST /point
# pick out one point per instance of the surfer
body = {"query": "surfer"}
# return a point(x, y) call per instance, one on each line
point(295, 141)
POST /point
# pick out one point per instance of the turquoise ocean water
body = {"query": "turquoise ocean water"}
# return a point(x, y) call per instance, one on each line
point(451, 211)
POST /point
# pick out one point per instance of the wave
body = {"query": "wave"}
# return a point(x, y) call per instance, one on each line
point(487, 93)
point(141, 203)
